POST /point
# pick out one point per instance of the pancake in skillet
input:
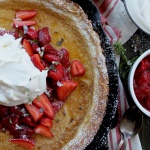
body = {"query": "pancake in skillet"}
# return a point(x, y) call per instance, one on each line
point(75, 125)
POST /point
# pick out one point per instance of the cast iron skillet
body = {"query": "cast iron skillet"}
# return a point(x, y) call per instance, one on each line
point(101, 137)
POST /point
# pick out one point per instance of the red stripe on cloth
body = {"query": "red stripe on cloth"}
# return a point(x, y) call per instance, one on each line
point(130, 146)
point(104, 20)
point(117, 32)
point(118, 135)
point(112, 34)
point(107, 32)
point(111, 141)
point(104, 5)
point(112, 8)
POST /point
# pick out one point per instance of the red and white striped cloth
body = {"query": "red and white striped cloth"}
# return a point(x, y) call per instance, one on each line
point(118, 26)
point(116, 22)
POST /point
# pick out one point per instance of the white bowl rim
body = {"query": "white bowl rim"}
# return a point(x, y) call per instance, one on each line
point(130, 82)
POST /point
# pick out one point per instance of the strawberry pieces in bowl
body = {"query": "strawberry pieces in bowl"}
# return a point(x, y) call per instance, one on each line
point(24, 120)
point(138, 82)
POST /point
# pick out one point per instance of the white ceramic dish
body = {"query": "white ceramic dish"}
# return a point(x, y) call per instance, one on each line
point(131, 79)
point(139, 12)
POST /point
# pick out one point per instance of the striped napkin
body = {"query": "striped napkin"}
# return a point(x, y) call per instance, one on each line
point(118, 27)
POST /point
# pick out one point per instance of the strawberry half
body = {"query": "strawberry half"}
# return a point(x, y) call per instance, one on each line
point(46, 122)
point(64, 55)
point(24, 142)
point(43, 130)
point(35, 112)
point(27, 47)
point(44, 36)
point(49, 49)
point(19, 24)
point(45, 63)
point(25, 14)
point(35, 47)
point(77, 68)
point(43, 102)
point(56, 72)
point(32, 33)
point(38, 103)
point(37, 62)
point(65, 88)
point(51, 57)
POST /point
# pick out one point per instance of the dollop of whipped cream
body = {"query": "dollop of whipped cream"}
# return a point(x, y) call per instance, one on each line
point(20, 80)
point(140, 13)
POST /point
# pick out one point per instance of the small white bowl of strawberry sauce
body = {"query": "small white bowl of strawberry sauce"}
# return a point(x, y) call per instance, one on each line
point(139, 82)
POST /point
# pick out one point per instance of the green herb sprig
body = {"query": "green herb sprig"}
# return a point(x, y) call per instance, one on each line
point(125, 64)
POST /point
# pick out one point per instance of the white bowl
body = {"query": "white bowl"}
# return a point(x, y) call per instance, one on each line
point(138, 11)
point(131, 79)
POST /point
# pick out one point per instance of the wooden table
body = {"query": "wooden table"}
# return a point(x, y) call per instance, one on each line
point(139, 41)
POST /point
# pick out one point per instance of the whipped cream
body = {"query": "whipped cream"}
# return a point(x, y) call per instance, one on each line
point(140, 13)
point(20, 80)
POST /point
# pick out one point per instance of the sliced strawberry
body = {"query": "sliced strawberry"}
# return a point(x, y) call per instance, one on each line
point(19, 24)
point(65, 88)
point(44, 36)
point(56, 72)
point(57, 105)
point(32, 33)
point(47, 105)
point(28, 121)
point(64, 56)
point(77, 68)
point(51, 57)
point(35, 47)
point(25, 14)
point(37, 62)
point(46, 122)
point(44, 102)
point(24, 142)
point(49, 49)
point(37, 102)
point(27, 47)
point(35, 112)
point(45, 63)
point(43, 130)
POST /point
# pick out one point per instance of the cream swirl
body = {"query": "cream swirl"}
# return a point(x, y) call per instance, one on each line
point(20, 80)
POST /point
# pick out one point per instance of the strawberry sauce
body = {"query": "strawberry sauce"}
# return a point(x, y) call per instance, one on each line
point(142, 82)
